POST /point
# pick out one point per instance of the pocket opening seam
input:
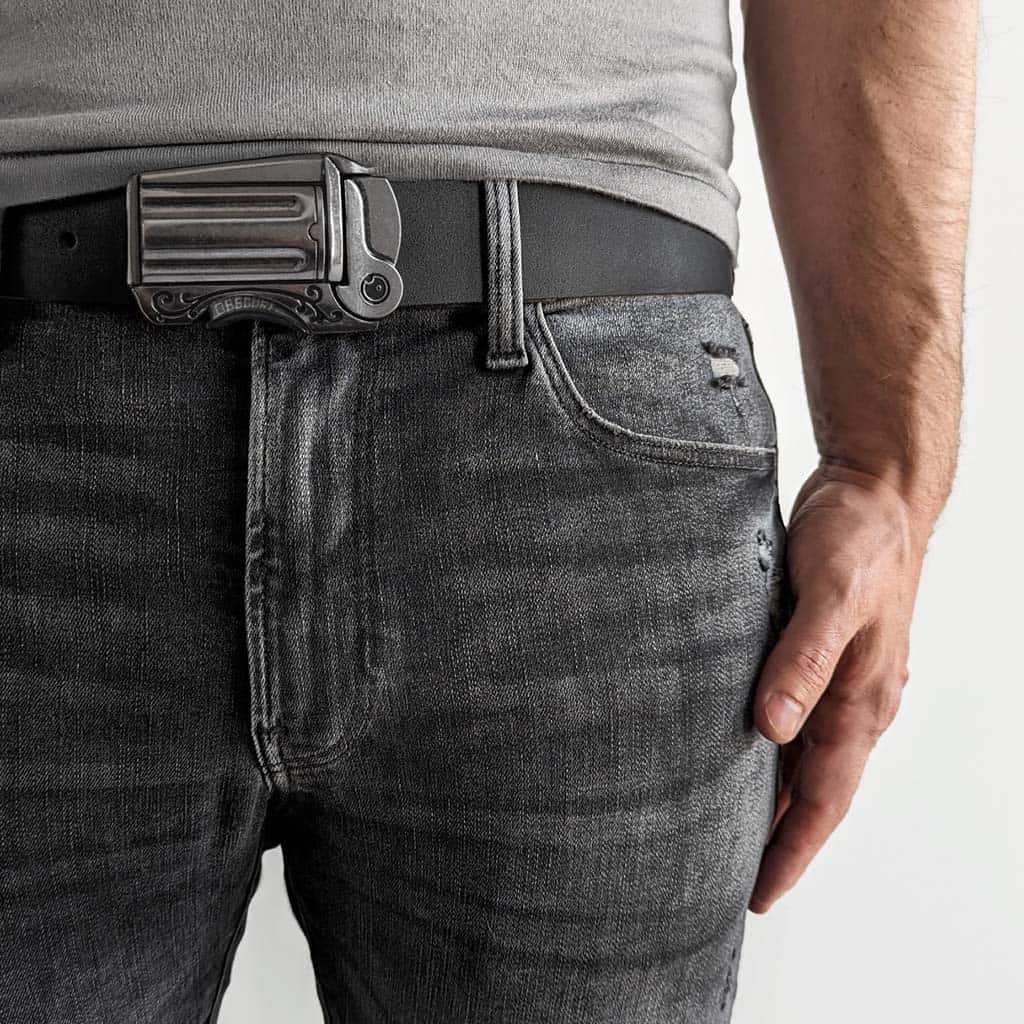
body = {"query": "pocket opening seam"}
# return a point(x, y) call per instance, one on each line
point(647, 447)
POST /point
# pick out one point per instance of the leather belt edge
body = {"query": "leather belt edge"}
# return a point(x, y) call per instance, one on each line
point(575, 243)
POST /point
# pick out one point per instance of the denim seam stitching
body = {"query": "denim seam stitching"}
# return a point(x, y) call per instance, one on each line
point(301, 766)
point(675, 451)
point(757, 375)
point(505, 348)
point(275, 411)
point(272, 455)
point(256, 619)
point(367, 578)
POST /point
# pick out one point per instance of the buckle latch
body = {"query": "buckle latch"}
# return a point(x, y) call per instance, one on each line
point(310, 242)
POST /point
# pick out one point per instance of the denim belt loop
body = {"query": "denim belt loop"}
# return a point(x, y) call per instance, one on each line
point(504, 287)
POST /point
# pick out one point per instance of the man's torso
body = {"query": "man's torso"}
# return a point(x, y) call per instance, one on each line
point(629, 99)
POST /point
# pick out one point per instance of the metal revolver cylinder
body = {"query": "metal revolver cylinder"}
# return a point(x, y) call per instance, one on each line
point(310, 242)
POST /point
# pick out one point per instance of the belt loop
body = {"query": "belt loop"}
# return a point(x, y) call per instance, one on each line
point(506, 349)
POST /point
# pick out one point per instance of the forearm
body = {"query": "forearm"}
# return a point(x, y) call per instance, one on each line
point(864, 112)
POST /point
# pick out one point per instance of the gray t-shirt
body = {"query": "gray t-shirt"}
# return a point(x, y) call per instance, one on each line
point(627, 97)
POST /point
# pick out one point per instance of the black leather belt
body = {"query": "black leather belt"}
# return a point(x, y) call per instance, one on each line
point(321, 243)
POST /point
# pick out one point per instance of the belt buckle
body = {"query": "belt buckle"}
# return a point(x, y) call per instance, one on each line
point(308, 241)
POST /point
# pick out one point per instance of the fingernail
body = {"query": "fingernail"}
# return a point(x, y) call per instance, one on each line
point(784, 714)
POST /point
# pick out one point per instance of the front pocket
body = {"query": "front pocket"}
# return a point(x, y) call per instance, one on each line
point(667, 378)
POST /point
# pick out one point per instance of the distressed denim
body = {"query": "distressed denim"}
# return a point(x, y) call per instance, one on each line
point(475, 645)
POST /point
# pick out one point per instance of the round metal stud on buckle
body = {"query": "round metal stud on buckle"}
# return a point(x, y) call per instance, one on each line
point(308, 241)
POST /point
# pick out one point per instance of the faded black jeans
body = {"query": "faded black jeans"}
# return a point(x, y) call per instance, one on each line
point(476, 647)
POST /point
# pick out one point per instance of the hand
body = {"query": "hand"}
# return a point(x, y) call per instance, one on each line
point(833, 683)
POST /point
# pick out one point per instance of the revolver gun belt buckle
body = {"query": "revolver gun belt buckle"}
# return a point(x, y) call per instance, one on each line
point(307, 241)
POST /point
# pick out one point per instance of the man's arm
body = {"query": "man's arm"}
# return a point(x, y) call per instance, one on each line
point(864, 111)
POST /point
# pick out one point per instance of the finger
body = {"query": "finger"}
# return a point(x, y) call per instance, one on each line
point(801, 664)
point(789, 765)
point(824, 766)
point(829, 774)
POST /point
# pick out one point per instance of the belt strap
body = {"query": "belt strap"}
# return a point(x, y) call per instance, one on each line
point(574, 243)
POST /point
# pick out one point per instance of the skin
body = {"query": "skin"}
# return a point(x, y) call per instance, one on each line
point(864, 113)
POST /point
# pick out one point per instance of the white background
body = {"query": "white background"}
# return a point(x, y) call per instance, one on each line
point(913, 912)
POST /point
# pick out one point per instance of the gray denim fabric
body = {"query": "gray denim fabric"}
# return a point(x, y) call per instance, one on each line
point(475, 646)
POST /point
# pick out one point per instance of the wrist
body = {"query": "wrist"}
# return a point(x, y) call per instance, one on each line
point(917, 502)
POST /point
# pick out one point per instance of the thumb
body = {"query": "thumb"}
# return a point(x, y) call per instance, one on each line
point(800, 667)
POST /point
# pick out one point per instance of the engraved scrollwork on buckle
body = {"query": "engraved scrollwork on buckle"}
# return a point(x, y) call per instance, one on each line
point(310, 242)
